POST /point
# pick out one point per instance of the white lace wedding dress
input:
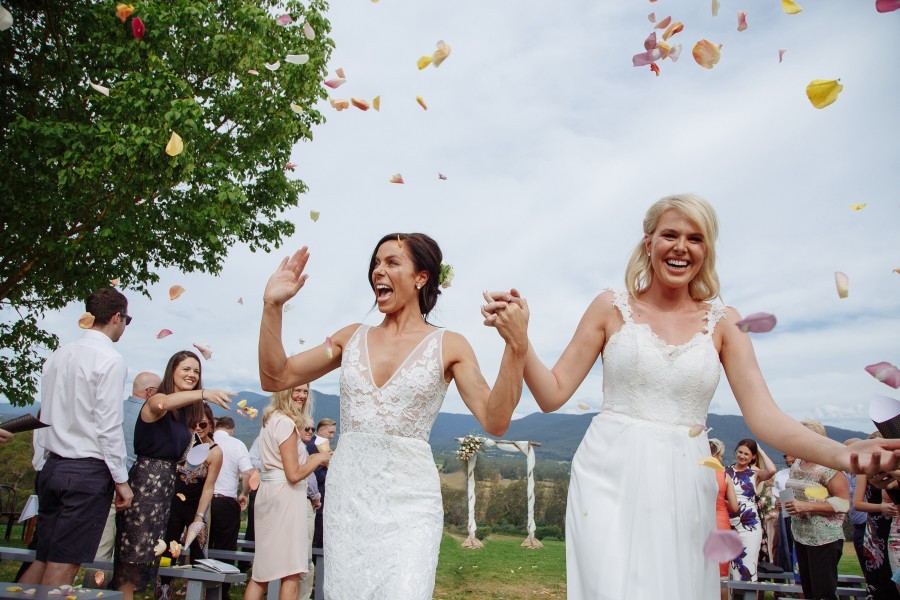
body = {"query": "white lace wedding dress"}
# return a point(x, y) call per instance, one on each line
point(383, 511)
point(640, 507)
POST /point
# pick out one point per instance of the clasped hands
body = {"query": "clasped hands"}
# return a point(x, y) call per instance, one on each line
point(508, 313)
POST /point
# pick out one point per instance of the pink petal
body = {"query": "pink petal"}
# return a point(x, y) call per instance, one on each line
point(885, 372)
point(398, 178)
point(842, 282)
point(340, 73)
point(285, 19)
point(757, 323)
point(137, 28)
point(884, 6)
point(650, 42)
point(781, 53)
point(163, 333)
point(722, 546)
point(664, 23)
point(742, 20)
point(329, 348)
point(335, 83)
point(205, 350)
point(645, 58)
point(291, 167)
point(652, 17)
point(253, 71)
point(308, 31)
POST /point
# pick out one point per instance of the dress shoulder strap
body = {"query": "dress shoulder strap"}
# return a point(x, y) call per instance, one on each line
point(715, 313)
point(620, 301)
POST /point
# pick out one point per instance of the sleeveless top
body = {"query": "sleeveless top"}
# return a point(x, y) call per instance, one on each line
point(747, 517)
point(642, 374)
point(164, 438)
point(190, 483)
point(407, 404)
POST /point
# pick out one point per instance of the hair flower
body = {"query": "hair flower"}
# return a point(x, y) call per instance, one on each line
point(446, 276)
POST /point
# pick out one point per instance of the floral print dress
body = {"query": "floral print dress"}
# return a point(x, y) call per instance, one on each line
point(876, 566)
point(746, 522)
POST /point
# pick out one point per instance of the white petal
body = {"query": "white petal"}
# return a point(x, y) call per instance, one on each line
point(6, 19)
point(100, 88)
point(297, 59)
point(272, 66)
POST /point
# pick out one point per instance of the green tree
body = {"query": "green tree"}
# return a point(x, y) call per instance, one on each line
point(87, 192)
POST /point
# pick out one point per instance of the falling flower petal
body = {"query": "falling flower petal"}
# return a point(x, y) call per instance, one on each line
point(273, 66)
point(335, 83)
point(174, 549)
point(822, 92)
point(86, 321)
point(663, 24)
point(742, 20)
point(665, 49)
point(706, 53)
point(159, 548)
point(285, 19)
point(340, 73)
point(696, 430)
point(757, 323)
point(442, 177)
point(722, 546)
point(672, 29)
point(205, 350)
point(314, 215)
point(340, 104)
point(254, 480)
point(297, 59)
point(376, 103)
point(886, 373)
point(123, 11)
point(711, 462)
point(858, 206)
point(842, 282)
point(13, 588)
point(288, 308)
point(655, 68)
point(114, 282)
point(675, 52)
point(54, 592)
point(289, 167)
point(360, 103)
point(645, 58)
point(781, 54)
point(790, 7)
point(715, 8)
point(398, 178)
point(33, 591)
point(650, 43)
point(423, 62)
point(308, 31)
point(652, 17)
point(421, 102)
point(884, 6)
point(137, 28)
point(175, 292)
point(241, 300)
point(243, 403)
point(584, 406)
point(163, 333)
point(100, 88)
point(816, 492)
point(253, 71)
point(181, 497)
point(329, 348)
point(6, 19)
point(838, 504)
point(296, 108)
point(301, 341)
point(254, 412)
point(175, 145)
point(441, 54)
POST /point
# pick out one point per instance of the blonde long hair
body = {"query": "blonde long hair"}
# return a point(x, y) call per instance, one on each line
point(282, 402)
point(639, 274)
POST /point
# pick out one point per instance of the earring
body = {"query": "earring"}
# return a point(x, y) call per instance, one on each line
point(418, 286)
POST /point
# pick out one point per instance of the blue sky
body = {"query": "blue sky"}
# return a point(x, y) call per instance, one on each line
point(554, 146)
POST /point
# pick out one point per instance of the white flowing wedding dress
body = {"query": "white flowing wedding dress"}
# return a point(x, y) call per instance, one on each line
point(640, 507)
point(383, 511)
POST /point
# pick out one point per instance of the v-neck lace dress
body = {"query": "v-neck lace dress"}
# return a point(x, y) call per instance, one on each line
point(640, 507)
point(383, 514)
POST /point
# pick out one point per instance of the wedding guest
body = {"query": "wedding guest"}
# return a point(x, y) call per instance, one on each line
point(726, 501)
point(745, 475)
point(161, 437)
point(785, 552)
point(81, 456)
point(817, 526)
point(325, 430)
point(301, 396)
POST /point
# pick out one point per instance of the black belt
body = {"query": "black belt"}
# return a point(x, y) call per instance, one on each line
point(55, 456)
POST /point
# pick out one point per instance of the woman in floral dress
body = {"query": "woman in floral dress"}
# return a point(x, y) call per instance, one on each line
point(745, 476)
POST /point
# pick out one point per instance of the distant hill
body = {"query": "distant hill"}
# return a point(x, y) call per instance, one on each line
point(559, 434)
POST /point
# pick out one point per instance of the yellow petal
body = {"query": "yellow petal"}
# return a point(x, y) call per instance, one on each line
point(822, 92)
point(242, 403)
point(790, 7)
point(314, 215)
point(421, 102)
point(175, 145)
point(181, 497)
point(423, 62)
point(86, 321)
point(712, 463)
point(376, 103)
point(816, 492)
point(706, 53)
point(858, 206)
point(13, 588)
point(296, 108)
point(175, 291)
point(123, 11)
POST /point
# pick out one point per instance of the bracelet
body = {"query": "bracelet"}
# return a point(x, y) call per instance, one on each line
point(201, 395)
point(202, 517)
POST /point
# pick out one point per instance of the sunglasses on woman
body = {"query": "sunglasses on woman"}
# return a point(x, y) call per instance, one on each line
point(202, 425)
point(309, 429)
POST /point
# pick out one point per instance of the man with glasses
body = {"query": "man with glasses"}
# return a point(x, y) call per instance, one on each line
point(81, 455)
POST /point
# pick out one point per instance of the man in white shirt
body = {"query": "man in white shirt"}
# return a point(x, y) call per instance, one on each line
point(226, 506)
point(81, 455)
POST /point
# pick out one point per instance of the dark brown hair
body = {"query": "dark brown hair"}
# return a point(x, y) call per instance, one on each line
point(426, 256)
point(193, 412)
point(104, 303)
point(751, 446)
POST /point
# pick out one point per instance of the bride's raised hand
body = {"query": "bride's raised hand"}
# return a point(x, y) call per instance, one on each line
point(497, 301)
point(287, 279)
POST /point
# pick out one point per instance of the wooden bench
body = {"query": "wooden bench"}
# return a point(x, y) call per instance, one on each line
point(198, 580)
point(42, 591)
point(792, 588)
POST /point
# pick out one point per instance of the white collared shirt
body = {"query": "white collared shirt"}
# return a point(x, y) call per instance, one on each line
point(82, 389)
point(235, 460)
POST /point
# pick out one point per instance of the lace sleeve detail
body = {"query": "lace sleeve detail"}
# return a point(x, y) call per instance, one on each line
point(713, 316)
point(620, 301)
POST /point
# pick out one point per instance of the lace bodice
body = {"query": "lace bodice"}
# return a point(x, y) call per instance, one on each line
point(648, 379)
point(407, 404)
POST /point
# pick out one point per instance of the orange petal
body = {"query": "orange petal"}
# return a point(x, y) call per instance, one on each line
point(86, 321)
point(707, 54)
point(673, 29)
point(340, 73)
point(398, 178)
point(360, 103)
point(339, 104)
point(329, 348)
point(421, 102)
point(376, 103)
point(175, 291)
point(114, 282)
point(98, 577)
point(842, 283)
point(655, 68)
point(664, 23)
point(123, 11)
point(742, 20)
point(423, 62)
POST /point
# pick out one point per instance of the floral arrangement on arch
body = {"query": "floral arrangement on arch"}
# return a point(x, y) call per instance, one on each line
point(469, 446)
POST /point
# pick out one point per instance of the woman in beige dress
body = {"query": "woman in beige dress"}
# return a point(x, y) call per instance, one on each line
point(280, 515)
